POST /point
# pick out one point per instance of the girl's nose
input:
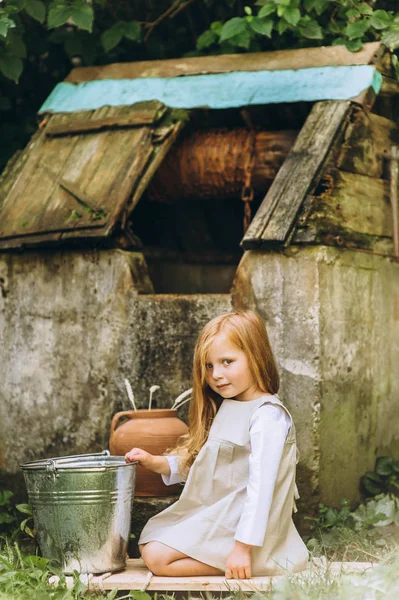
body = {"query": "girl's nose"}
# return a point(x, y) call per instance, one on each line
point(216, 373)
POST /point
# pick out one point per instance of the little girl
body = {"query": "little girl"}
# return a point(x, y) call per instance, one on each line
point(234, 515)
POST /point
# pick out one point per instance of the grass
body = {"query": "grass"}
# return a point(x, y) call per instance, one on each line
point(25, 577)
point(337, 537)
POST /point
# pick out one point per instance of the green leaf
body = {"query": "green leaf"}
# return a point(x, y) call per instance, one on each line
point(206, 39)
point(352, 13)
point(248, 10)
point(380, 19)
point(372, 483)
point(37, 561)
point(232, 28)
point(6, 518)
point(292, 16)
point(5, 497)
point(24, 508)
point(242, 40)
point(139, 595)
point(391, 37)
point(83, 16)
point(36, 9)
point(339, 41)
point(5, 25)
point(217, 27)
point(262, 26)
point(310, 29)
point(354, 45)
point(318, 5)
point(11, 67)
point(357, 29)
point(58, 15)
point(384, 466)
point(365, 9)
point(17, 5)
point(16, 45)
point(132, 31)
point(267, 10)
point(111, 37)
point(282, 26)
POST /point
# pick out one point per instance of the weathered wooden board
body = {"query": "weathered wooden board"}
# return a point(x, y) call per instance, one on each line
point(137, 577)
point(143, 117)
point(303, 58)
point(353, 203)
point(77, 183)
point(276, 216)
point(367, 142)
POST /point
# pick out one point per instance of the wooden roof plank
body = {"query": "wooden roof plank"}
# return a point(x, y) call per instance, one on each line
point(52, 206)
point(276, 216)
point(77, 186)
point(29, 197)
point(145, 114)
point(371, 53)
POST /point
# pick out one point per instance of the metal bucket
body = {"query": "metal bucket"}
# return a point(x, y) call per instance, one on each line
point(81, 509)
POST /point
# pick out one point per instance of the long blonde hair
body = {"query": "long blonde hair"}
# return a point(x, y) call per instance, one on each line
point(247, 331)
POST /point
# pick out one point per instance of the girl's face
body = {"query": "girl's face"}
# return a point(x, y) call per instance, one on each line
point(228, 372)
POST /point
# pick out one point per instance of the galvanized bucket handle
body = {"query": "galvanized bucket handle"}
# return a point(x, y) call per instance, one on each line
point(51, 467)
point(50, 463)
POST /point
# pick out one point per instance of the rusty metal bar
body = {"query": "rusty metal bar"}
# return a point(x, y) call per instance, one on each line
point(394, 171)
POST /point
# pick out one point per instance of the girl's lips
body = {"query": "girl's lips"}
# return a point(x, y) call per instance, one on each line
point(223, 386)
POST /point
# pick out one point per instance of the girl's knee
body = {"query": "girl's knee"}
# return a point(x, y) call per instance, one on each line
point(153, 557)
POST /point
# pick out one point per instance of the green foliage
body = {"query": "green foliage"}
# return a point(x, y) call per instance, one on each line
point(329, 516)
point(10, 518)
point(41, 40)
point(27, 578)
point(291, 22)
point(384, 478)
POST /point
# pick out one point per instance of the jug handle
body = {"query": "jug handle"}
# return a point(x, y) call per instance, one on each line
point(115, 419)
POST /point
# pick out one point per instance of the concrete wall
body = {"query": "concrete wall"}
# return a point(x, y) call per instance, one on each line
point(333, 319)
point(72, 326)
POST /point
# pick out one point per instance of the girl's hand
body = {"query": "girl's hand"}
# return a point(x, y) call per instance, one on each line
point(145, 458)
point(156, 464)
point(238, 565)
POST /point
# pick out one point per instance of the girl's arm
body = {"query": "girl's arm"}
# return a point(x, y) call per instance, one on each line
point(268, 431)
point(157, 464)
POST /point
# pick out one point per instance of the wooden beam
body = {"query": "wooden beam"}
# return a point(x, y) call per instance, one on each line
point(276, 216)
point(371, 53)
point(89, 126)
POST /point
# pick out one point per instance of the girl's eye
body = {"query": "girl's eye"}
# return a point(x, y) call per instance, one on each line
point(208, 366)
point(227, 361)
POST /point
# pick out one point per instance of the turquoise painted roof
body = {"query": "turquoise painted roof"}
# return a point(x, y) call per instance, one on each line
point(224, 90)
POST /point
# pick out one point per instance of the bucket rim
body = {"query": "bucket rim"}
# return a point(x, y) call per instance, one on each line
point(68, 463)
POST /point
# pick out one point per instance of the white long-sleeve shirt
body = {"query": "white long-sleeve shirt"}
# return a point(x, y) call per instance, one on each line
point(268, 429)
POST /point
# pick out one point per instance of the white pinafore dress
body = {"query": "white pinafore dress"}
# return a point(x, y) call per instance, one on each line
point(202, 523)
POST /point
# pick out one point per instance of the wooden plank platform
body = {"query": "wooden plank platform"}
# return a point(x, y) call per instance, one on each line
point(137, 577)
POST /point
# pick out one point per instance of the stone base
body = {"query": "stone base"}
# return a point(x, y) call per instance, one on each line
point(143, 509)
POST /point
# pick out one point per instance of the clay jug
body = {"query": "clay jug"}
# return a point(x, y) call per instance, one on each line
point(155, 431)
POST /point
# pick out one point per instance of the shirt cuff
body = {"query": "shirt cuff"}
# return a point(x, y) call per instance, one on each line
point(174, 475)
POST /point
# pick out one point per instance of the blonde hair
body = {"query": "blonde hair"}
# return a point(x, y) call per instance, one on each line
point(247, 331)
